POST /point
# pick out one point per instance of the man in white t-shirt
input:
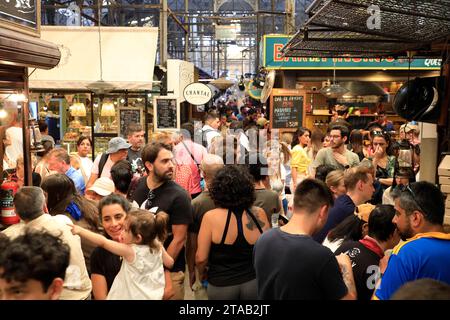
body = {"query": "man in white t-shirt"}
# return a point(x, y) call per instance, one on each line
point(29, 203)
point(117, 150)
point(211, 128)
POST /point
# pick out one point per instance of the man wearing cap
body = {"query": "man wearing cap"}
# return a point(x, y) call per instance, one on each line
point(117, 150)
point(101, 188)
point(366, 253)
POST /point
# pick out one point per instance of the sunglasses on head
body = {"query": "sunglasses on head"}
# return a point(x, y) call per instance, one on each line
point(378, 133)
point(150, 197)
point(407, 188)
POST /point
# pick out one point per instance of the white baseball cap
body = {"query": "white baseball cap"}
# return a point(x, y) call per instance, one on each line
point(103, 186)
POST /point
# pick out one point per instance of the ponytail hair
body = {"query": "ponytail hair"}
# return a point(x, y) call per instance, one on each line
point(149, 226)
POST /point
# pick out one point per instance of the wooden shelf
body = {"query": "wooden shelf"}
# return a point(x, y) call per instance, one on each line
point(352, 115)
point(312, 92)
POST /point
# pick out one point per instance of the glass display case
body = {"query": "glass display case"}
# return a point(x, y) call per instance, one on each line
point(112, 113)
point(77, 122)
point(98, 116)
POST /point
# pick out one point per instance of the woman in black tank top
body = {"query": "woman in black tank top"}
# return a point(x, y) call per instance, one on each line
point(227, 235)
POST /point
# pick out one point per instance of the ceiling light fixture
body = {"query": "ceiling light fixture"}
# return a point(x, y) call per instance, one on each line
point(333, 90)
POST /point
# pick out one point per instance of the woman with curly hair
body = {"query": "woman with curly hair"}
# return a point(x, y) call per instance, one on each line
point(64, 201)
point(227, 235)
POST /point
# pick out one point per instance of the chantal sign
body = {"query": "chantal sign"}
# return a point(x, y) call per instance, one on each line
point(197, 93)
point(273, 59)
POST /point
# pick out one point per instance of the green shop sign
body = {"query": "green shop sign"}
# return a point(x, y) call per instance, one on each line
point(272, 59)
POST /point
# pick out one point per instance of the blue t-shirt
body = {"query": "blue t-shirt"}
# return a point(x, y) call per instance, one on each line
point(77, 179)
point(427, 255)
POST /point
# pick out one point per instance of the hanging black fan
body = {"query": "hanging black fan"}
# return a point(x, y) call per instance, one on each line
point(420, 99)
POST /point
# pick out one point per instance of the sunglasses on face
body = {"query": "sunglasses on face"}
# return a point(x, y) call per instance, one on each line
point(150, 197)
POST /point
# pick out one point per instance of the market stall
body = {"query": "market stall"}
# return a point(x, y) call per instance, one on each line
point(99, 99)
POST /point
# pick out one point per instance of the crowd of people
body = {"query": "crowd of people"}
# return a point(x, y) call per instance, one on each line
point(242, 211)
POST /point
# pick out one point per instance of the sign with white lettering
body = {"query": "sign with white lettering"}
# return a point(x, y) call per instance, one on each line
point(21, 15)
point(197, 93)
point(166, 113)
point(127, 116)
point(286, 109)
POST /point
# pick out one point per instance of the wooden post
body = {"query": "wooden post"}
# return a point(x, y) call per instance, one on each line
point(26, 134)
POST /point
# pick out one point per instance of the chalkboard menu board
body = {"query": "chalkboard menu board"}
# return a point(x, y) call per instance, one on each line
point(22, 12)
point(126, 117)
point(286, 111)
point(166, 114)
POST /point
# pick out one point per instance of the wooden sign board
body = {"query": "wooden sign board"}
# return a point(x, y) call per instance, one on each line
point(166, 113)
point(286, 109)
point(22, 16)
point(128, 116)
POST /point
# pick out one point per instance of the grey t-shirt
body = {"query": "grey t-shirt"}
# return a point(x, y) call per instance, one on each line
point(268, 200)
point(200, 205)
point(325, 157)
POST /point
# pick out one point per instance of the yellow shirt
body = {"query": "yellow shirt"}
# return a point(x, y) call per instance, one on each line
point(299, 159)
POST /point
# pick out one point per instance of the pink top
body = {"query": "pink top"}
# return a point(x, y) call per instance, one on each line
point(106, 172)
point(182, 153)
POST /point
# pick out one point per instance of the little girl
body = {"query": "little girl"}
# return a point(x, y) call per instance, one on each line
point(141, 276)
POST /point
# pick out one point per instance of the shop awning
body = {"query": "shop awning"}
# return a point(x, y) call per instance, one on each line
point(22, 50)
point(116, 58)
point(349, 28)
point(88, 85)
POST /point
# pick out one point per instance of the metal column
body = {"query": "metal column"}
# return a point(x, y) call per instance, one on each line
point(163, 33)
point(289, 22)
point(186, 37)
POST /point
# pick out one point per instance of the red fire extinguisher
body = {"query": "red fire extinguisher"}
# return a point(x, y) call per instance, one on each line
point(7, 191)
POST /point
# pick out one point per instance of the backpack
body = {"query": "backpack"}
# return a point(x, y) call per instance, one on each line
point(102, 163)
point(204, 140)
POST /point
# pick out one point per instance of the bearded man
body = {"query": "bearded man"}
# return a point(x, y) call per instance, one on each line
point(157, 192)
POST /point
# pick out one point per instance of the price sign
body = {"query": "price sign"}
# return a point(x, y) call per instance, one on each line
point(286, 109)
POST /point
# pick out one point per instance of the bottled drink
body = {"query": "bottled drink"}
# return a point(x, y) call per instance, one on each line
point(274, 219)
